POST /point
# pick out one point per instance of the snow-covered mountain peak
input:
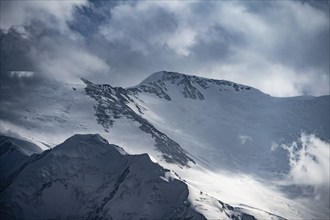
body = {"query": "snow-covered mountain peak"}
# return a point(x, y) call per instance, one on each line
point(89, 138)
point(163, 76)
point(87, 145)
point(153, 77)
point(193, 87)
point(180, 78)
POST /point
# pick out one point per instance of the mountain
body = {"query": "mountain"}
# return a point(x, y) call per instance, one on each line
point(14, 154)
point(222, 123)
point(14, 144)
point(229, 141)
point(87, 178)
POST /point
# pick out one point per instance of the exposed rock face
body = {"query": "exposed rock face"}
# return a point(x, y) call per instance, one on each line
point(112, 103)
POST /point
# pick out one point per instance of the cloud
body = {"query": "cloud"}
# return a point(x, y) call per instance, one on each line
point(68, 63)
point(45, 44)
point(54, 12)
point(21, 74)
point(279, 47)
point(277, 52)
point(272, 78)
point(269, 49)
point(309, 162)
point(146, 26)
point(244, 138)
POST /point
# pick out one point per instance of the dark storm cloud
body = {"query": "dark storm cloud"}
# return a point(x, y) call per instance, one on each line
point(280, 47)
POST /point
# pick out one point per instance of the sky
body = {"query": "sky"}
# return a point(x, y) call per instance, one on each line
point(280, 47)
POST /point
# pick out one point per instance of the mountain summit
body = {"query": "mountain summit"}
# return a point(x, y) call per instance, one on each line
point(191, 86)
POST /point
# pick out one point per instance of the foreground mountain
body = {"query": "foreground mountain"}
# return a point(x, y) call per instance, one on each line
point(87, 178)
point(227, 140)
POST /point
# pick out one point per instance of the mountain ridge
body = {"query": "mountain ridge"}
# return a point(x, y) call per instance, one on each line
point(58, 170)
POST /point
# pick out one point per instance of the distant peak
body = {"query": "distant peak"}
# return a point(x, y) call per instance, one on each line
point(160, 75)
point(163, 76)
point(189, 85)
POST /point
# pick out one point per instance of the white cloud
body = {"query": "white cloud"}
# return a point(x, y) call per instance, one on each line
point(310, 165)
point(235, 18)
point(21, 74)
point(138, 25)
point(19, 77)
point(70, 65)
point(265, 47)
point(61, 56)
point(272, 78)
point(244, 138)
point(52, 11)
point(181, 41)
point(308, 19)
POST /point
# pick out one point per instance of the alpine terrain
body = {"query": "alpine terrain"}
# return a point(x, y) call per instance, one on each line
point(175, 146)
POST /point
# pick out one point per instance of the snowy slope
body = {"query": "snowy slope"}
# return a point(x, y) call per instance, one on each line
point(227, 124)
point(24, 147)
point(52, 112)
point(112, 104)
point(14, 153)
